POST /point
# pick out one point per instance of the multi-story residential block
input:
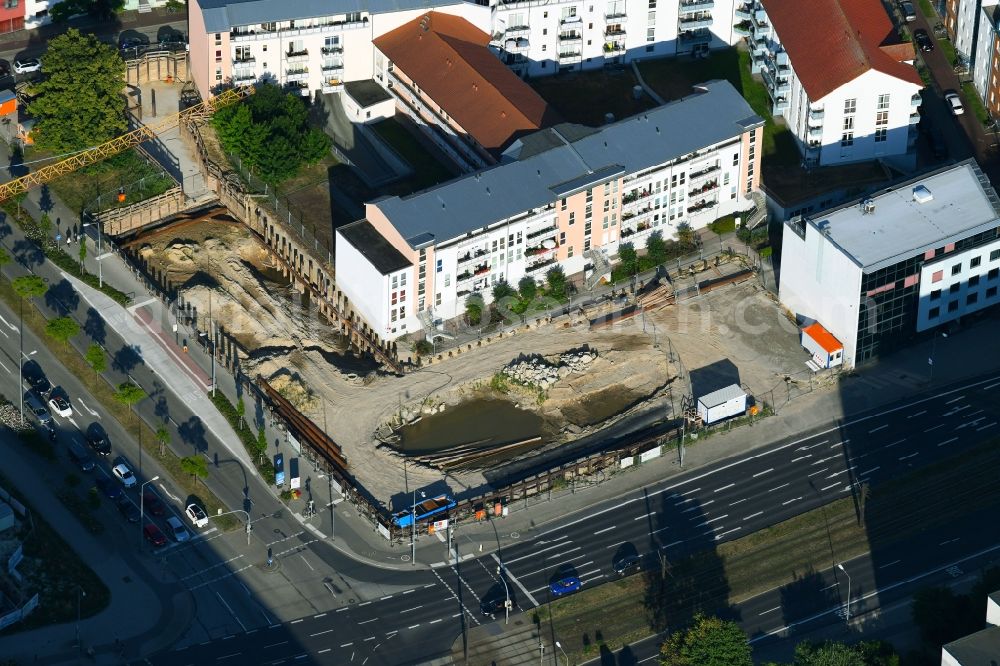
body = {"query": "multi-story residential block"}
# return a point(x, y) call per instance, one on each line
point(884, 269)
point(985, 59)
point(961, 20)
point(445, 78)
point(839, 75)
point(311, 46)
point(538, 37)
point(566, 196)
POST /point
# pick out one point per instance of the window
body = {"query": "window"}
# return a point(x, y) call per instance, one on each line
point(850, 105)
point(972, 298)
point(402, 280)
point(992, 275)
point(439, 266)
point(975, 261)
point(447, 279)
point(952, 306)
point(883, 101)
point(881, 134)
point(569, 252)
point(994, 255)
point(736, 159)
point(956, 269)
point(562, 237)
point(933, 313)
point(936, 294)
point(882, 118)
point(991, 292)
point(848, 123)
point(650, 36)
point(953, 289)
point(572, 219)
point(974, 281)
point(562, 204)
point(847, 139)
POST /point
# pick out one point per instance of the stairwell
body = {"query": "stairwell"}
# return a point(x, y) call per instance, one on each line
point(601, 264)
point(758, 213)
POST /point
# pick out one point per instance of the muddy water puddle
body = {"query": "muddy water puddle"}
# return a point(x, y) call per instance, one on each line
point(477, 424)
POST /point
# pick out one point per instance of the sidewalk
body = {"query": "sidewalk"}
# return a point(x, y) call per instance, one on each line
point(145, 611)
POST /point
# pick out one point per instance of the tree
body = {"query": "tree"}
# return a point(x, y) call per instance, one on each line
point(99, 9)
point(708, 642)
point(261, 444)
point(129, 394)
point(474, 309)
point(163, 439)
point(82, 253)
point(685, 234)
point(61, 329)
point(827, 654)
point(943, 616)
point(556, 281)
point(656, 248)
point(502, 290)
point(45, 226)
point(195, 466)
point(30, 286)
point(629, 258)
point(79, 101)
point(5, 259)
point(528, 288)
point(241, 409)
point(96, 358)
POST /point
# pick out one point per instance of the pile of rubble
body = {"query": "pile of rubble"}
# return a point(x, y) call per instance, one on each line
point(10, 416)
point(539, 372)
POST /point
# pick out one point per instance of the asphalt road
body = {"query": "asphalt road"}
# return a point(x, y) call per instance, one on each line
point(687, 514)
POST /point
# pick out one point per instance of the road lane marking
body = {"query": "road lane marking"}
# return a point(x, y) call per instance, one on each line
point(898, 441)
point(770, 610)
point(7, 369)
point(939, 425)
point(516, 581)
point(695, 508)
point(567, 552)
point(819, 471)
point(738, 501)
point(320, 633)
point(235, 654)
point(754, 515)
point(307, 562)
point(784, 485)
point(945, 543)
point(386, 597)
point(436, 621)
point(991, 386)
point(809, 455)
point(89, 410)
point(832, 485)
point(881, 427)
point(794, 499)
point(535, 553)
point(295, 621)
point(323, 651)
point(988, 425)
point(228, 608)
point(719, 536)
point(763, 473)
point(408, 610)
point(948, 441)
point(731, 485)
point(869, 471)
point(367, 621)
point(948, 402)
point(912, 455)
point(606, 529)
point(920, 413)
point(715, 519)
point(14, 328)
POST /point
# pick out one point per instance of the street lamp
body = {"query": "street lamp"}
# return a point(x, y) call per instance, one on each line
point(413, 527)
point(559, 645)
point(79, 593)
point(100, 247)
point(20, 378)
point(142, 504)
point(848, 613)
point(930, 360)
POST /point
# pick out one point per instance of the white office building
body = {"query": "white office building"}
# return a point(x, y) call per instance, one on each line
point(880, 271)
point(838, 74)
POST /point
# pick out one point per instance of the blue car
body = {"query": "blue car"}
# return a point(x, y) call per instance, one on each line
point(110, 488)
point(565, 586)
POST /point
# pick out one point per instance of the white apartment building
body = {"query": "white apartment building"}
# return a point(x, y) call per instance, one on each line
point(566, 196)
point(962, 22)
point(878, 272)
point(539, 37)
point(839, 76)
point(310, 45)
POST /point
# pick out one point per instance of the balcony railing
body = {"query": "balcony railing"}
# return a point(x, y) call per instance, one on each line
point(700, 206)
point(614, 47)
point(616, 16)
point(571, 20)
point(332, 50)
point(704, 172)
point(742, 28)
point(614, 31)
point(815, 131)
point(568, 58)
point(816, 114)
point(539, 266)
point(570, 37)
point(293, 75)
point(333, 86)
point(916, 100)
point(244, 62)
point(542, 232)
point(743, 12)
point(707, 187)
point(469, 256)
point(696, 6)
point(244, 76)
point(292, 57)
point(696, 22)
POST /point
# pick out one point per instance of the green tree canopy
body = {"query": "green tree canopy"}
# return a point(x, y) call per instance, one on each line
point(474, 309)
point(80, 102)
point(162, 438)
point(129, 394)
point(61, 329)
point(527, 287)
point(30, 286)
point(270, 132)
point(629, 258)
point(96, 358)
point(502, 290)
point(708, 642)
point(685, 234)
point(195, 466)
point(556, 281)
point(100, 9)
point(656, 248)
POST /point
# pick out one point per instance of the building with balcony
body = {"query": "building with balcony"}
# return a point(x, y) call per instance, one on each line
point(961, 20)
point(839, 75)
point(309, 46)
point(443, 75)
point(888, 268)
point(532, 36)
point(557, 197)
point(985, 60)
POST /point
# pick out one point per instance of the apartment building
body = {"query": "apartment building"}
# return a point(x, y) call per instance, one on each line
point(565, 196)
point(882, 270)
point(538, 37)
point(986, 55)
point(12, 15)
point(310, 45)
point(961, 20)
point(443, 75)
point(839, 75)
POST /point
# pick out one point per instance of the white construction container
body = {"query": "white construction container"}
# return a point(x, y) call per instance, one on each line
point(721, 404)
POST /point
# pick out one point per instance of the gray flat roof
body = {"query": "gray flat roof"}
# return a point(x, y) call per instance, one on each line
point(979, 649)
point(900, 227)
point(221, 15)
point(366, 92)
point(722, 396)
point(374, 247)
point(570, 156)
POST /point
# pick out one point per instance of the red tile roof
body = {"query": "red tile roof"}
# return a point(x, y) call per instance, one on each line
point(831, 42)
point(447, 57)
point(823, 337)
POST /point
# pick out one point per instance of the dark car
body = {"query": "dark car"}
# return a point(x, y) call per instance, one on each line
point(154, 535)
point(4, 68)
point(152, 504)
point(626, 566)
point(493, 606)
point(924, 41)
point(78, 454)
point(111, 488)
point(32, 373)
point(97, 439)
point(128, 509)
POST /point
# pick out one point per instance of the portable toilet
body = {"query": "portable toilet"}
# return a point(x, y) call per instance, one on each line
point(826, 350)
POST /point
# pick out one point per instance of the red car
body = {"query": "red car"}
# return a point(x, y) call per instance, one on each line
point(154, 535)
point(152, 504)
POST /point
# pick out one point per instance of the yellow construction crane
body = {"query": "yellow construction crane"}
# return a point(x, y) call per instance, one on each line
point(119, 144)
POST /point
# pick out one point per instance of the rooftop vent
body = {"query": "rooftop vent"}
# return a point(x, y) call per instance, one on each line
point(922, 195)
point(868, 207)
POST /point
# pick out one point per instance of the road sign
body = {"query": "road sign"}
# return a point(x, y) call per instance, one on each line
point(279, 470)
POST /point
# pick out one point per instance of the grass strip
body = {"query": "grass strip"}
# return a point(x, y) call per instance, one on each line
point(786, 554)
point(246, 435)
point(927, 9)
point(102, 391)
point(53, 569)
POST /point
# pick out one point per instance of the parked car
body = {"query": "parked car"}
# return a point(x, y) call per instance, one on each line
point(130, 43)
point(32, 373)
point(924, 41)
point(59, 402)
point(152, 504)
point(196, 515)
point(627, 565)
point(34, 404)
point(154, 535)
point(108, 486)
point(78, 454)
point(954, 103)
point(908, 13)
point(97, 439)
point(27, 66)
point(4, 68)
point(175, 40)
point(493, 606)
point(124, 474)
point(128, 509)
point(177, 529)
point(564, 586)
